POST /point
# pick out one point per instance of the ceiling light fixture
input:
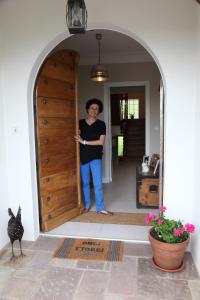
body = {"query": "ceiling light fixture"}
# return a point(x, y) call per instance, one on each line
point(76, 16)
point(99, 71)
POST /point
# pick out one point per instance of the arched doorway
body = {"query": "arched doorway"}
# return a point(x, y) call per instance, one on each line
point(57, 47)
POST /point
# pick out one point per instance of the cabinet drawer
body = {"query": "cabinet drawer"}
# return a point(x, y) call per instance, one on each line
point(149, 192)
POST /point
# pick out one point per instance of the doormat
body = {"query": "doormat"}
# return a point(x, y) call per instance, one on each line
point(117, 218)
point(91, 249)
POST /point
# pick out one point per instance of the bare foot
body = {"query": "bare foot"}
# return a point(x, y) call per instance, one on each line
point(105, 212)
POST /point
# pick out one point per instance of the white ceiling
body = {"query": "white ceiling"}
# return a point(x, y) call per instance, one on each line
point(115, 48)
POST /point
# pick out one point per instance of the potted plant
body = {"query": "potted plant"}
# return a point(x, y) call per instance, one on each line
point(169, 239)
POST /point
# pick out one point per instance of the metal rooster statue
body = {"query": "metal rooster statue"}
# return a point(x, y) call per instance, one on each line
point(15, 229)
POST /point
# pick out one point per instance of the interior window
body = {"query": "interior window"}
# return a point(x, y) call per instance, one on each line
point(129, 109)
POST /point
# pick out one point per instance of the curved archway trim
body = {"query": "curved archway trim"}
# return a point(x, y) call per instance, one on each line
point(30, 97)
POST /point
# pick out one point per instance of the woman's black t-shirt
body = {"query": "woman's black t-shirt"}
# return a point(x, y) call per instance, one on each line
point(91, 133)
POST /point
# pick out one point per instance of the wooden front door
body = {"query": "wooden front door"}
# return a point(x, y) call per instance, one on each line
point(57, 152)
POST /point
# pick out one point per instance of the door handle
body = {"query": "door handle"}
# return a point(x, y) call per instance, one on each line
point(153, 188)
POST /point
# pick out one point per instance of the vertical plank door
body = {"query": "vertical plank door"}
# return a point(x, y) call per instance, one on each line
point(57, 152)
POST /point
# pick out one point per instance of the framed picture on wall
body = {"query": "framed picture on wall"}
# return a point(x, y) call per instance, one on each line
point(154, 158)
point(156, 169)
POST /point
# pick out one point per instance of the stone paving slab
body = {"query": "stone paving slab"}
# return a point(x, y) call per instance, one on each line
point(38, 275)
point(195, 289)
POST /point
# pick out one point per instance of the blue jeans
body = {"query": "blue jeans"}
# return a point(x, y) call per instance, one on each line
point(96, 168)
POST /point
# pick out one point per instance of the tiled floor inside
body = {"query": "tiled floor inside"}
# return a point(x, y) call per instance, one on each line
point(39, 276)
point(120, 194)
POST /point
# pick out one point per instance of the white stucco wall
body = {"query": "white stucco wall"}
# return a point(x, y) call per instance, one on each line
point(3, 176)
point(196, 218)
point(168, 28)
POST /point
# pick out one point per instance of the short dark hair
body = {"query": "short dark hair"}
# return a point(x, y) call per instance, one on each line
point(94, 101)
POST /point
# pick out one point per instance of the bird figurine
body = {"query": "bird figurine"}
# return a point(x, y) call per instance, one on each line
point(15, 229)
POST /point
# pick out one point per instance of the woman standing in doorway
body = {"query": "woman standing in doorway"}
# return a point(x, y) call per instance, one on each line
point(91, 139)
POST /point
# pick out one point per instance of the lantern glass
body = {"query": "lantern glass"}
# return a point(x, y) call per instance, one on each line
point(76, 16)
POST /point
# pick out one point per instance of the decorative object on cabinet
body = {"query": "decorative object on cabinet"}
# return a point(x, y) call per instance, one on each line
point(153, 160)
point(147, 188)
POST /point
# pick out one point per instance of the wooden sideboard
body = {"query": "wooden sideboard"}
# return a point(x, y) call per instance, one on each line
point(147, 189)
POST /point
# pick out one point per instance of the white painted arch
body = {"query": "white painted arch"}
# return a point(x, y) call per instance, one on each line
point(30, 94)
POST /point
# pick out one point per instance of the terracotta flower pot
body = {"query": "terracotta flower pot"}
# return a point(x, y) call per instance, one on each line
point(168, 257)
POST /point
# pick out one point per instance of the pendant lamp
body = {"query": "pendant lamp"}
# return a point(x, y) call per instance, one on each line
point(99, 71)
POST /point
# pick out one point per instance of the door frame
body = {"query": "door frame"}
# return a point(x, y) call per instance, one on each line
point(107, 120)
point(42, 53)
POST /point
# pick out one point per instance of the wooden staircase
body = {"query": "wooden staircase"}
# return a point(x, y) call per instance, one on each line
point(134, 139)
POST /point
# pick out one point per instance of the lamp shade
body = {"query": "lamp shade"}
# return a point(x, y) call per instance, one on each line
point(76, 16)
point(99, 73)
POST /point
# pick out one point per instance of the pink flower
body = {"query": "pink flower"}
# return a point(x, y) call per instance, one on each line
point(162, 208)
point(152, 216)
point(147, 220)
point(190, 227)
point(176, 232)
point(160, 221)
point(181, 230)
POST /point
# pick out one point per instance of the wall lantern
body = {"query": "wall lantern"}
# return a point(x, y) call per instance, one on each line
point(99, 71)
point(76, 16)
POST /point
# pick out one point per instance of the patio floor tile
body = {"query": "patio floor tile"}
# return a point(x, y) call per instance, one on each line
point(63, 263)
point(17, 288)
point(40, 276)
point(24, 244)
point(195, 289)
point(46, 244)
point(139, 250)
point(156, 288)
point(146, 268)
point(59, 284)
point(123, 277)
point(94, 265)
point(92, 285)
point(190, 271)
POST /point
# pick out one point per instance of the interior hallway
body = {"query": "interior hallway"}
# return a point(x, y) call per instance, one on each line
point(120, 196)
point(39, 276)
